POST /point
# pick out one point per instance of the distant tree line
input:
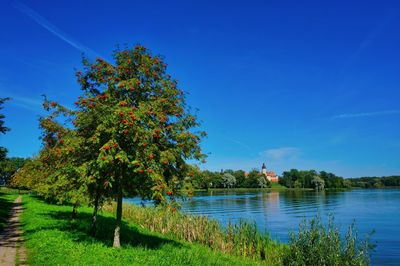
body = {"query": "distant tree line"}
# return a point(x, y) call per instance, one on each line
point(226, 179)
point(312, 179)
point(375, 182)
point(8, 167)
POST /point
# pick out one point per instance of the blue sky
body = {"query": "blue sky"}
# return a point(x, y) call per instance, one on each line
point(295, 84)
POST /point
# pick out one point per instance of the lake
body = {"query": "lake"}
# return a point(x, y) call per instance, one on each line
point(279, 212)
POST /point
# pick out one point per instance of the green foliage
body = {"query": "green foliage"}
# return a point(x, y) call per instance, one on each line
point(374, 182)
point(256, 180)
point(3, 128)
point(316, 244)
point(8, 167)
point(135, 126)
point(228, 180)
point(54, 174)
point(311, 179)
point(318, 183)
point(241, 239)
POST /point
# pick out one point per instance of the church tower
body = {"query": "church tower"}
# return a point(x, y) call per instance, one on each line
point(264, 169)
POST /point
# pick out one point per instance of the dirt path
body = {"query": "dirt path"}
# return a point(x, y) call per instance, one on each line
point(11, 250)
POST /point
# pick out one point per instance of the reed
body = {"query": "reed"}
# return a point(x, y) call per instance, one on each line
point(313, 244)
point(241, 239)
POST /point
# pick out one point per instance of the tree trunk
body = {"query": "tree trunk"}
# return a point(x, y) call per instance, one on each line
point(117, 231)
point(75, 210)
point(93, 228)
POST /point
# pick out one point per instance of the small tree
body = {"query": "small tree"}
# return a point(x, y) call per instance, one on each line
point(66, 180)
point(8, 167)
point(318, 183)
point(3, 128)
point(228, 180)
point(263, 182)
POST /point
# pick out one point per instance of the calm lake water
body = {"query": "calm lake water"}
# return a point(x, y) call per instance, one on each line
point(279, 212)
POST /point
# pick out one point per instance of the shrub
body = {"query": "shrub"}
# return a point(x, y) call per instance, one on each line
point(316, 244)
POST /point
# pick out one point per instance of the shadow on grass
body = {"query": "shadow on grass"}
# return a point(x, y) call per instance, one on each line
point(5, 209)
point(78, 231)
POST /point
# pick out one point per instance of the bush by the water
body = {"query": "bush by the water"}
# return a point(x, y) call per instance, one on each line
point(316, 244)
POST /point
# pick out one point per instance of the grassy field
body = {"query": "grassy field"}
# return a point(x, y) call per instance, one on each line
point(52, 238)
point(7, 197)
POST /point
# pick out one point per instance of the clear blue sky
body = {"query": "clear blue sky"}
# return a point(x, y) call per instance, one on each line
point(295, 84)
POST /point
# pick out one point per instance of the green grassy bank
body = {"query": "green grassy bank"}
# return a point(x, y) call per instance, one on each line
point(52, 238)
point(157, 236)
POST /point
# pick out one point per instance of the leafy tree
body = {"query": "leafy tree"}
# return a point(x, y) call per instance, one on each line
point(240, 177)
point(304, 179)
point(318, 183)
point(26, 177)
point(134, 127)
point(297, 184)
point(252, 179)
point(198, 178)
point(214, 179)
point(228, 180)
point(65, 180)
point(54, 174)
point(8, 167)
point(374, 182)
point(288, 178)
point(263, 182)
point(3, 128)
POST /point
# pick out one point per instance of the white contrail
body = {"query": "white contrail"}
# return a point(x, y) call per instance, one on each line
point(354, 115)
point(53, 29)
point(32, 104)
point(240, 143)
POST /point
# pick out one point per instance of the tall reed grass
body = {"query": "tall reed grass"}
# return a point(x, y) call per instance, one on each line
point(241, 239)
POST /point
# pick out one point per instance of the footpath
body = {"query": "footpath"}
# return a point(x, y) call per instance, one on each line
point(12, 251)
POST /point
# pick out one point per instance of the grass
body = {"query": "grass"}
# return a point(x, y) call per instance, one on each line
point(7, 197)
point(52, 238)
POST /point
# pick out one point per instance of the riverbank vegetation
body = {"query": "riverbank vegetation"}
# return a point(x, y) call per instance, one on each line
point(52, 237)
point(375, 182)
point(164, 236)
point(312, 179)
point(241, 239)
point(293, 179)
